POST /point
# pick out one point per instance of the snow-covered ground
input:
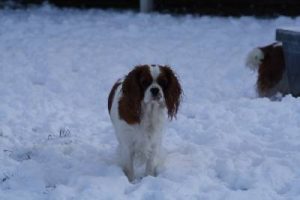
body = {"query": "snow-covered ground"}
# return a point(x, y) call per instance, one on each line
point(56, 139)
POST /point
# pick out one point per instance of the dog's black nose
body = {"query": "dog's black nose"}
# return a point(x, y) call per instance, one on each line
point(154, 91)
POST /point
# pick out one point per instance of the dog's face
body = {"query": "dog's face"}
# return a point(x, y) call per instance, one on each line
point(151, 84)
point(154, 86)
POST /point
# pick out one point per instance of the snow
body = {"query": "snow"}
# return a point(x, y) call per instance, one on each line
point(56, 138)
point(290, 28)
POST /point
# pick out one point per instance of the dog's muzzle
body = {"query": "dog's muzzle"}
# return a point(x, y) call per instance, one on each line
point(155, 93)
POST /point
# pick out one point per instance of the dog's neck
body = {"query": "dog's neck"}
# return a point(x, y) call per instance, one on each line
point(153, 116)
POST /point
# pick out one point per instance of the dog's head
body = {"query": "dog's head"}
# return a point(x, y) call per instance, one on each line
point(149, 84)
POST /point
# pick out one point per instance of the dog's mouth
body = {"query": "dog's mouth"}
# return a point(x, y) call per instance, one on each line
point(157, 97)
point(158, 100)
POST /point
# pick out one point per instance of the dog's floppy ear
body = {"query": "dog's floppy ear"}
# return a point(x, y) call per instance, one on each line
point(172, 91)
point(132, 95)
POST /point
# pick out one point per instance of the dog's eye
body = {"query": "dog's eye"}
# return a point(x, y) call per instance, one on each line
point(163, 82)
point(145, 82)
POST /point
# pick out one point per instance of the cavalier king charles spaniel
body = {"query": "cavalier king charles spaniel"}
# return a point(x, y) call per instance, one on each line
point(270, 64)
point(139, 105)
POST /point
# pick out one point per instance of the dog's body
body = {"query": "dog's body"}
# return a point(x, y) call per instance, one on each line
point(272, 76)
point(138, 106)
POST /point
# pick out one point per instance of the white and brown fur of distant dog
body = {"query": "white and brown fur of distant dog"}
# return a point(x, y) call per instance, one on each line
point(270, 63)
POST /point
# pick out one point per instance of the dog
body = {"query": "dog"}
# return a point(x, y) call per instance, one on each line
point(270, 64)
point(139, 105)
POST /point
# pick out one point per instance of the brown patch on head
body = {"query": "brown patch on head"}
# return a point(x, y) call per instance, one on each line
point(133, 88)
point(271, 69)
point(171, 88)
point(111, 95)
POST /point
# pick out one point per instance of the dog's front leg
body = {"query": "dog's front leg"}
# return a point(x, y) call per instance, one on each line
point(128, 169)
point(151, 164)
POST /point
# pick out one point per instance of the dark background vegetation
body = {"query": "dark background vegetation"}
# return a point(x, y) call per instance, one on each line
point(201, 7)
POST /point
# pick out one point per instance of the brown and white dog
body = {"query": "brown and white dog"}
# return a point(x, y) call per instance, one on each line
point(139, 105)
point(272, 76)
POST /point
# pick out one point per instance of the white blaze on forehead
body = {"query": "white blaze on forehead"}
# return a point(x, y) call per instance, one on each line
point(155, 71)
